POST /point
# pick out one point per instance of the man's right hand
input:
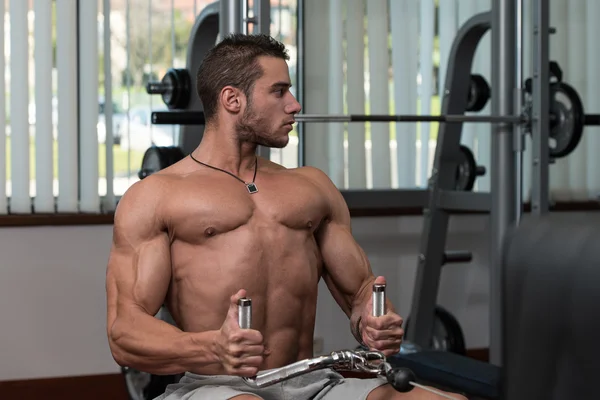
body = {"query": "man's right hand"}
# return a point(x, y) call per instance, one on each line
point(241, 351)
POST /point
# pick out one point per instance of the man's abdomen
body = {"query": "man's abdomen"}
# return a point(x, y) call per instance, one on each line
point(282, 285)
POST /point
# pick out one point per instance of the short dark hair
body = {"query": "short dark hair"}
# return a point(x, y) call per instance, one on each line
point(234, 62)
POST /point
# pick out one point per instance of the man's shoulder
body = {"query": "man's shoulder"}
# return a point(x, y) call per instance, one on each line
point(315, 174)
point(149, 191)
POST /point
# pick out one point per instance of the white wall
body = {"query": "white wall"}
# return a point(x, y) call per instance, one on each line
point(53, 299)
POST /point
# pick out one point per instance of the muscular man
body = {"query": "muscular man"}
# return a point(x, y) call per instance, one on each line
point(222, 224)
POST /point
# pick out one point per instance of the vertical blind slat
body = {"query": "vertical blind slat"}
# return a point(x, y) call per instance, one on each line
point(426, 71)
point(405, 57)
point(448, 20)
point(128, 83)
point(335, 136)
point(109, 199)
point(20, 201)
point(377, 32)
point(66, 63)
point(44, 167)
point(88, 102)
point(355, 97)
point(316, 74)
point(3, 198)
point(150, 59)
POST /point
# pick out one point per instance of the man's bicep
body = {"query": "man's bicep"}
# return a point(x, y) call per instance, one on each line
point(139, 267)
point(347, 269)
point(346, 265)
point(140, 275)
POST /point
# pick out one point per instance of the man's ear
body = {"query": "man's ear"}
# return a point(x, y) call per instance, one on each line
point(232, 99)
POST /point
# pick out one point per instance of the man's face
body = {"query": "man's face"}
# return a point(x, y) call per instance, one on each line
point(269, 114)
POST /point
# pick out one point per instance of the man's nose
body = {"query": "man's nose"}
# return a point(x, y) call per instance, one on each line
point(295, 107)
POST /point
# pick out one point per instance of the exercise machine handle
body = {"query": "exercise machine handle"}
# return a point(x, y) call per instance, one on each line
point(245, 313)
point(378, 300)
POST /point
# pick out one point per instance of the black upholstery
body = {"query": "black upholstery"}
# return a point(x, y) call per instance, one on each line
point(552, 308)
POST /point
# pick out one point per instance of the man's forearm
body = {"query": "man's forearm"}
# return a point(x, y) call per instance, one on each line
point(360, 302)
point(355, 327)
point(157, 347)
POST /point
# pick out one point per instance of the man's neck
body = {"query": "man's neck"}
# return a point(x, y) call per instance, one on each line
point(222, 150)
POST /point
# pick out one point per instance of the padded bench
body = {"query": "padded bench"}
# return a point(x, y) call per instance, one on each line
point(453, 372)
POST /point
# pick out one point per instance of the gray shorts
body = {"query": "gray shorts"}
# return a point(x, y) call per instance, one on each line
point(324, 384)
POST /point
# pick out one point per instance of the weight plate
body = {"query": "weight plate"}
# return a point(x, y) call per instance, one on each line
point(177, 88)
point(157, 158)
point(479, 93)
point(169, 88)
point(568, 120)
point(447, 333)
point(466, 171)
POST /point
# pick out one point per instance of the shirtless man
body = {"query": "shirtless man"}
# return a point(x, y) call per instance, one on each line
point(196, 237)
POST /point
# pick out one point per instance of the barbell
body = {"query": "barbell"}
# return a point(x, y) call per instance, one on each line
point(516, 119)
point(197, 118)
point(566, 113)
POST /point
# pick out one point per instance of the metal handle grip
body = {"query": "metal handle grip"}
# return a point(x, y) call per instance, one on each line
point(268, 378)
point(378, 300)
point(245, 313)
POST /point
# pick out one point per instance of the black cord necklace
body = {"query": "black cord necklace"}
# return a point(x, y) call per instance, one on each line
point(251, 186)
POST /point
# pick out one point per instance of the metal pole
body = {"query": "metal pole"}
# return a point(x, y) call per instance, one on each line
point(229, 17)
point(245, 18)
point(513, 119)
point(540, 105)
point(262, 11)
point(503, 171)
point(520, 133)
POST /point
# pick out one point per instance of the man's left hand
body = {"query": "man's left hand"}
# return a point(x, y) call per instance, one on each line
point(383, 333)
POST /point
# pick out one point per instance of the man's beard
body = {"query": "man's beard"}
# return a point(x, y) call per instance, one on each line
point(254, 129)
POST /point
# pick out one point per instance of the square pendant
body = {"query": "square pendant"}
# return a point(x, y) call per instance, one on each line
point(251, 188)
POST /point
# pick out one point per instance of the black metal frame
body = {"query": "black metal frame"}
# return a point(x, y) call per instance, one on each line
point(443, 179)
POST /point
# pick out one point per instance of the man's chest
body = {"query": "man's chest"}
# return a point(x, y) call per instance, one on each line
point(218, 206)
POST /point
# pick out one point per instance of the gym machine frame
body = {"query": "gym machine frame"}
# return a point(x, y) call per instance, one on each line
point(505, 199)
point(442, 201)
